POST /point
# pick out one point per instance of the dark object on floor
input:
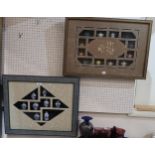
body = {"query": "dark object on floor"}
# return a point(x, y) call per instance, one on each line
point(117, 132)
point(86, 128)
point(113, 132)
point(101, 133)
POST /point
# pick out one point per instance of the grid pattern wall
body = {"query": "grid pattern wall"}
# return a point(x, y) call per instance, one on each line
point(34, 46)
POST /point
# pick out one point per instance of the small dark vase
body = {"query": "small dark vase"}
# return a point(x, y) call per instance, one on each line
point(86, 128)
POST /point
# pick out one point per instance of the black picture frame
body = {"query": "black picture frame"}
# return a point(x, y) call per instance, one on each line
point(41, 79)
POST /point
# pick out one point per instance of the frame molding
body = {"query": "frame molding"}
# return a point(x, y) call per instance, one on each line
point(74, 69)
point(1, 65)
point(65, 80)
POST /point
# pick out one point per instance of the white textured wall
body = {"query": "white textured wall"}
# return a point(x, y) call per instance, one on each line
point(34, 46)
point(30, 50)
point(145, 92)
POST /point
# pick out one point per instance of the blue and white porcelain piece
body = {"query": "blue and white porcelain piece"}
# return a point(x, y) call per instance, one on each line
point(33, 96)
point(44, 92)
point(58, 104)
point(23, 106)
point(46, 103)
point(36, 116)
point(35, 106)
point(86, 127)
point(46, 116)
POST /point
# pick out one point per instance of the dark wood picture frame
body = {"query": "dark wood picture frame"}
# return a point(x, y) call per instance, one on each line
point(74, 82)
point(106, 47)
point(1, 37)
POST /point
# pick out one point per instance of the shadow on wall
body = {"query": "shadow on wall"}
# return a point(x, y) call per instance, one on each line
point(55, 44)
point(153, 26)
point(143, 90)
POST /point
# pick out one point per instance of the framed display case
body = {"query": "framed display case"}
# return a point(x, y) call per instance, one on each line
point(1, 36)
point(106, 47)
point(1, 118)
point(41, 105)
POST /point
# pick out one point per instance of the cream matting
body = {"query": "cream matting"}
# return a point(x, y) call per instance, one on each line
point(19, 120)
